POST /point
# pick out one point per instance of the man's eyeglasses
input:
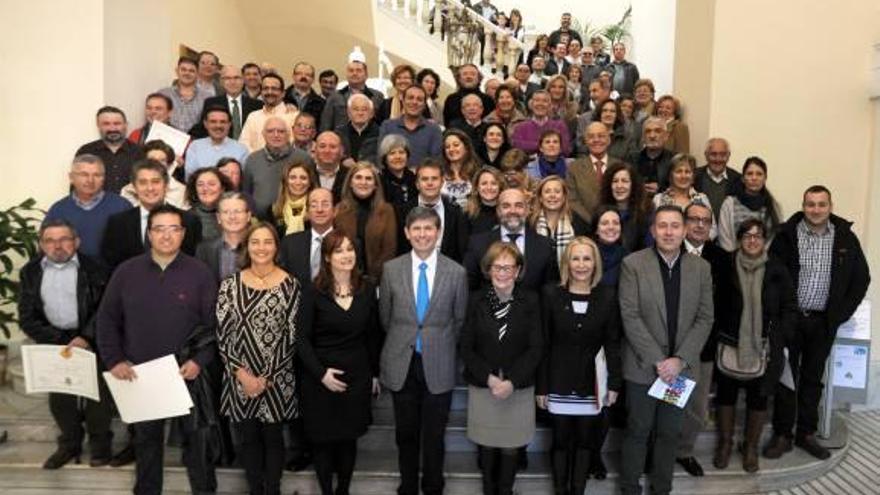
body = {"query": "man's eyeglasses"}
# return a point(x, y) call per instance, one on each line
point(699, 220)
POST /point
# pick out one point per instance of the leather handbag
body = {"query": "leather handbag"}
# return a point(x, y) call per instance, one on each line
point(728, 363)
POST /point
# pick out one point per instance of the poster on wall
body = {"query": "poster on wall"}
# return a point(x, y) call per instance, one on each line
point(850, 366)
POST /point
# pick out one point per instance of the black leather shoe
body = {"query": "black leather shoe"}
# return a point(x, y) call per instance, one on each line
point(60, 458)
point(811, 445)
point(99, 461)
point(777, 446)
point(125, 456)
point(690, 465)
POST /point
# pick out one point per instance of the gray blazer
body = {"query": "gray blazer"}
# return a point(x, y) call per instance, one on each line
point(643, 310)
point(440, 330)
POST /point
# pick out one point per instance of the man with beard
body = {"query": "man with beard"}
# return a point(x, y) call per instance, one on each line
point(262, 170)
point(540, 265)
point(117, 153)
point(468, 83)
point(301, 94)
point(273, 106)
point(328, 80)
point(207, 151)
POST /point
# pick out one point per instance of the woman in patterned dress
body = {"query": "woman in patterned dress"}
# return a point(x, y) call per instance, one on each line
point(256, 312)
point(339, 347)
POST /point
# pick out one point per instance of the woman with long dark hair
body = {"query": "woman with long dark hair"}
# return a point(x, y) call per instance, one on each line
point(289, 210)
point(339, 347)
point(750, 199)
point(203, 191)
point(622, 188)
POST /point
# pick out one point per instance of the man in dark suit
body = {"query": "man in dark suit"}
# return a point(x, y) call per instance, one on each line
point(221, 254)
point(667, 312)
point(653, 160)
point(468, 77)
point(557, 63)
point(422, 305)
point(235, 101)
point(301, 94)
point(540, 257)
point(453, 223)
point(522, 74)
point(301, 252)
point(125, 236)
point(698, 223)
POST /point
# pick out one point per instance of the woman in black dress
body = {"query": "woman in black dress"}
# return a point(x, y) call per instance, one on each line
point(581, 318)
point(257, 310)
point(339, 346)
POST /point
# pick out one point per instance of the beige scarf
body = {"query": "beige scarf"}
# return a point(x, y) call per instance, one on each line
point(750, 272)
point(295, 215)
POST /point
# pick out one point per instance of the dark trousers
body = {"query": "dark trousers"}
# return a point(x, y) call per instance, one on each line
point(262, 455)
point(71, 411)
point(149, 450)
point(644, 415)
point(334, 458)
point(807, 356)
point(420, 419)
point(575, 441)
point(728, 391)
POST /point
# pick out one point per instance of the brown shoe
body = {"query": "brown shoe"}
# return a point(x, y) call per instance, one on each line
point(778, 445)
point(724, 416)
point(811, 445)
point(754, 427)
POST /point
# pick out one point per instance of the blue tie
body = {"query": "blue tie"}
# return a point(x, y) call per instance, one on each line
point(421, 302)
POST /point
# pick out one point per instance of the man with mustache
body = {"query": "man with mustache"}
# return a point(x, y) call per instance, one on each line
point(301, 94)
point(117, 153)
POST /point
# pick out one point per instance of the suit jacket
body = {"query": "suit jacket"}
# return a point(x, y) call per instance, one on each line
point(380, 235)
point(295, 256)
point(540, 259)
point(552, 68)
point(630, 76)
point(314, 105)
point(517, 355)
point(123, 240)
point(584, 186)
point(335, 114)
point(440, 328)
point(248, 105)
point(454, 242)
point(643, 310)
point(209, 253)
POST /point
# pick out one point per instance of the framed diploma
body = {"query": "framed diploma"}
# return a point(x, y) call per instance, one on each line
point(47, 368)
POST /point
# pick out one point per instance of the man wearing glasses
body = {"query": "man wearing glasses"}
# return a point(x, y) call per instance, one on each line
point(273, 106)
point(159, 303)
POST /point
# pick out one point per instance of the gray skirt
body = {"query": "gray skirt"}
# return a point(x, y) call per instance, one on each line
point(507, 423)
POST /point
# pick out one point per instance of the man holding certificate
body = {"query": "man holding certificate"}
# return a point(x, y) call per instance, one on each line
point(157, 304)
point(60, 292)
point(667, 312)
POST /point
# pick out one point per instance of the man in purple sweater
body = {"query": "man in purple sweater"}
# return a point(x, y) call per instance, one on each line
point(527, 134)
point(153, 305)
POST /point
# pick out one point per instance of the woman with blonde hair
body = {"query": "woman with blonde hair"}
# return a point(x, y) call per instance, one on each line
point(581, 319)
point(668, 108)
point(483, 199)
point(402, 77)
point(289, 210)
point(551, 217)
point(561, 105)
point(367, 219)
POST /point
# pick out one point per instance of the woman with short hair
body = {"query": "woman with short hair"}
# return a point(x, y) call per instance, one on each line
point(203, 190)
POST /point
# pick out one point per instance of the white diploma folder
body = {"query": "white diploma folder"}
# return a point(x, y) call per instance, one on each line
point(48, 369)
point(172, 137)
point(158, 392)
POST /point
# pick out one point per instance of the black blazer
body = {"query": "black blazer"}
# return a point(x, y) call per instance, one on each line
point(314, 102)
point(719, 260)
point(516, 357)
point(552, 68)
point(91, 281)
point(540, 259)
point(122, 237)
point(455, 231)
point(571, 343)
point(295, 256)
point(248, 105)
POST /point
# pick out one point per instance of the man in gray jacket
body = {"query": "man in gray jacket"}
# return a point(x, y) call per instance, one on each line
point(667, 312)
point(422, 305)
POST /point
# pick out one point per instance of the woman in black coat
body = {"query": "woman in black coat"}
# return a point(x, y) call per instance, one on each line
point(581, 318)
point(501, 348)
point(756, 320)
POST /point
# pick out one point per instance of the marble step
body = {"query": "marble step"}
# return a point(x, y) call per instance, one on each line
point(376, 473)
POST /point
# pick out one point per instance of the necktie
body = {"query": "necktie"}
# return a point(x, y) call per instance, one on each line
point(236, 120)
point(512, 237)
point(315, 261)
point(421, 302)
point(599, 164)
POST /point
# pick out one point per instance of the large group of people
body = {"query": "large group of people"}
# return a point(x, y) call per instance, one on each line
point(549, 234)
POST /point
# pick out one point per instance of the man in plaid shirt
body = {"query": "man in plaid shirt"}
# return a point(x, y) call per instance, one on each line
point(830, 271)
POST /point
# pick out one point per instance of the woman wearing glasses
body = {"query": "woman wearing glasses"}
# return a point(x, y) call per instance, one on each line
point(501, 348)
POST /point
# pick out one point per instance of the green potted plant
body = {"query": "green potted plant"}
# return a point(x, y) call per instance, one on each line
point(19, 231)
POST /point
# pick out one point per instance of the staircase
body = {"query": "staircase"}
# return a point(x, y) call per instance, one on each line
point(32, 435)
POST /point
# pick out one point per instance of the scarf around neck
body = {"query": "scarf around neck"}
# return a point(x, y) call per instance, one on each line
point(559, 167)
point(750, 274)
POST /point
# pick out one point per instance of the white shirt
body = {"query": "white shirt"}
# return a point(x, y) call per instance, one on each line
point(717, 178)
point(144, 217)
point(430, 272)
point(697, 250)
point(604, 160)
point(520, 241)
point(326, 180)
